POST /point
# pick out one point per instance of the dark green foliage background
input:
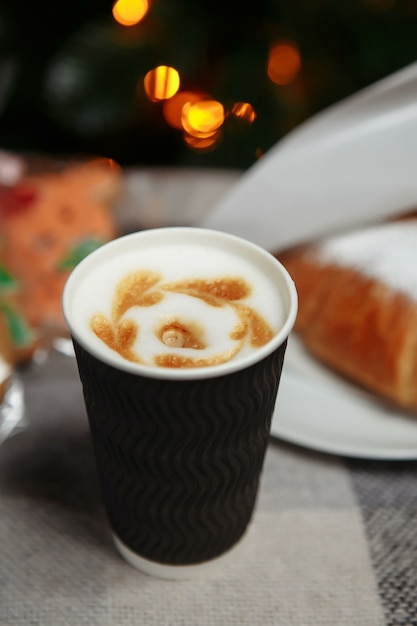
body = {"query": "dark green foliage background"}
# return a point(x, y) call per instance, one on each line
point(68, 72)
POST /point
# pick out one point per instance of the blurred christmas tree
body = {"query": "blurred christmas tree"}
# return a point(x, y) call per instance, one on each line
point(232, 79)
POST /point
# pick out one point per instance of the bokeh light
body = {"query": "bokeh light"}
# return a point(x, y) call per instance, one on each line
point(243, 111)
point(202, 118)
point(203, 144)
point(130, 12)
point(284, 63)
point(161, 83)
point(173, 107)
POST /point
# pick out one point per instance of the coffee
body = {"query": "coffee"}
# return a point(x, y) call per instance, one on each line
point(180, 337)
point(186, 306)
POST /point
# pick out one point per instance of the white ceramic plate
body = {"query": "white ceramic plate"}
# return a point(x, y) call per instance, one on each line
point(317, 410)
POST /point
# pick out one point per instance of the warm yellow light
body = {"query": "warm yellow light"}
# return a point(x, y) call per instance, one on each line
point(243, 111)
point(173, 107)
point(161, 83)
point(284, 63)
point(202, 118)
point(203, 144)
point(129, 12)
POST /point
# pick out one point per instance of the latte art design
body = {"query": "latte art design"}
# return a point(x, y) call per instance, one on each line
point(189, 323)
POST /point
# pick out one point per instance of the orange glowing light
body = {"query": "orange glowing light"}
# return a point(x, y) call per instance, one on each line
point(161, 83)
point(130, 12)
point(243, 111)
point(203, 144)
point(173, 107)
point(202, 118)
point(284, 63)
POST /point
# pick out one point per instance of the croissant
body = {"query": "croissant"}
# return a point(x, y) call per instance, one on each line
point(358, 306)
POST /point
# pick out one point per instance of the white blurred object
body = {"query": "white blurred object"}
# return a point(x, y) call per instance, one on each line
point(12, 168)
point(171, 197)
point(12, 410)
point(347, 166)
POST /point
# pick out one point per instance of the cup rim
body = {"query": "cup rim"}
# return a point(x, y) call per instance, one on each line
point(194, 373)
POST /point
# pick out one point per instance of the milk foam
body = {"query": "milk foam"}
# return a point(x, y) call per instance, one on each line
point(175, 264)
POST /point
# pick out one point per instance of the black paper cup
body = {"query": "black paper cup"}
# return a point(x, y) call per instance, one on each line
point(180, 452)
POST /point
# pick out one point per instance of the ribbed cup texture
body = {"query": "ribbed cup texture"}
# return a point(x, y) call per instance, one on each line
point(179, 461)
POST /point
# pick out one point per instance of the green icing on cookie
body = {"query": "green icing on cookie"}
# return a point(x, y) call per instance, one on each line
point(79, 252)
point(7, 281)
point(20, 332)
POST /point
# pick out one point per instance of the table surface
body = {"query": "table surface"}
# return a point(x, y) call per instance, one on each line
point(332, 540)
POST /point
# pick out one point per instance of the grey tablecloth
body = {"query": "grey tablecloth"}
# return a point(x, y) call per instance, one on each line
point(333, 541)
